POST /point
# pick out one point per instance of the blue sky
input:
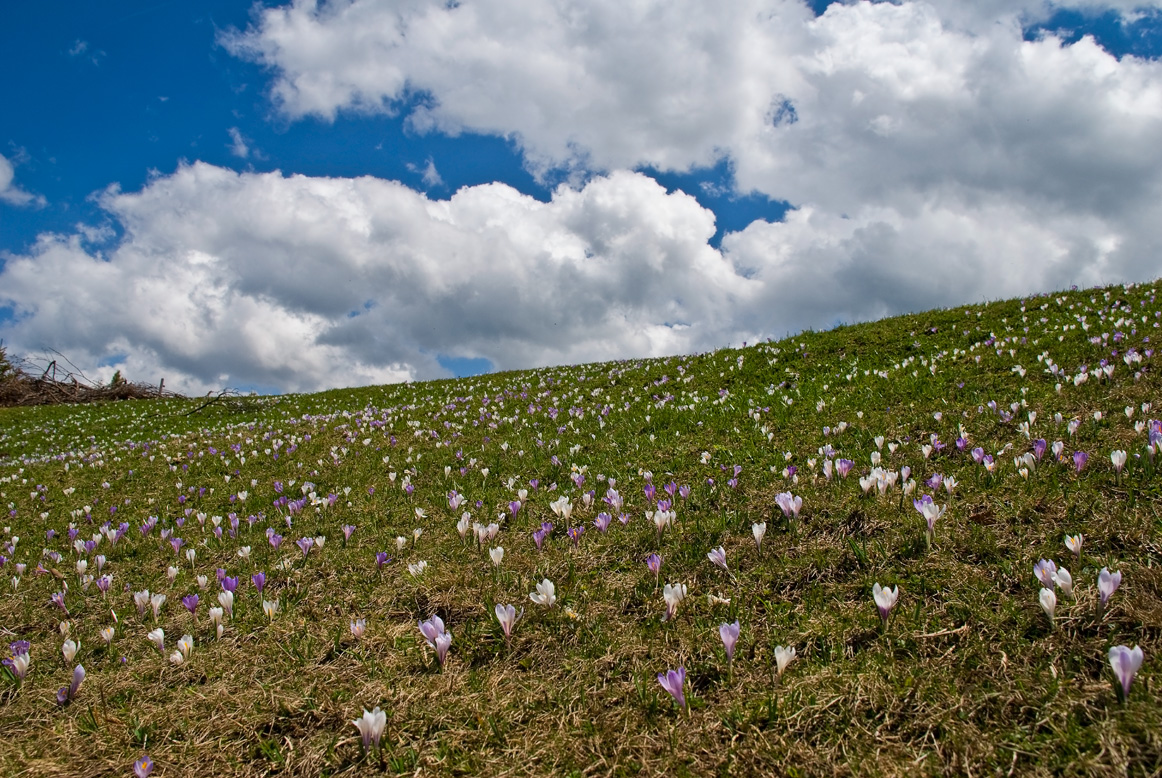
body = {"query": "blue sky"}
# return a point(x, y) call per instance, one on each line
point(675, 215)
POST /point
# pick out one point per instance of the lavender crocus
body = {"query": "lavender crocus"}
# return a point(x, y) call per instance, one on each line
point(885, 600)
point(729, 635)
point(67, 694)
point(654, 563)
point(348, 531)
point(674, 681)
point(143, 767)
point(305, 545)
point(259, 581)
point(1125, 663)
point(381, 559)
point(1079, 460)
point(1107, 584)
point(190, 602)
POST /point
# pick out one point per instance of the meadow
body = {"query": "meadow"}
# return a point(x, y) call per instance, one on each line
point(689, 547)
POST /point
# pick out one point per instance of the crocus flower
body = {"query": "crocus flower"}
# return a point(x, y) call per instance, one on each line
point(1064, 581)
point(107, 634)
point(1125, 663)
point(157, 637)
point(190, 602)
point(729, 635)
point(67, 694)
point(20, 660)
point(143, 767)
point(1118, 458)
point(602, 521)
point(718, 557)
point(358, 627)
point(229, 583)
point(348, 531)
point(759, 530)
point(417, 568)
point(885, 600)
point(496, 554)
point(674, 681)
point(575, 533)
point(1107, 584)
point(790, 504)
point(654, 563)
point(1045, 570)
point(156, 601)
point(216, 620)
point(226, 600)
point(1048, 601)
point(259, 581)
point(1079, 460)
point(381, 559)
point(673, 594)
point(783, 657)
point(545, 593)
point(1074, 543)
point(305, 545)
point(931, 512)
point(371, 725)
point(507, 616)
point(69, 649)
point(433, 631)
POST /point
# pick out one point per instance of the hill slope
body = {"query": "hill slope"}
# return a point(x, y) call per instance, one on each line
point(1004, 415)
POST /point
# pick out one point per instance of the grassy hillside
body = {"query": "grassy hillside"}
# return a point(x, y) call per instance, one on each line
point(1004, 415)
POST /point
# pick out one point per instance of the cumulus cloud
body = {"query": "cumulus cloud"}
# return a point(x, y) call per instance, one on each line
point(302, 283)
point(895, 126)
point(305, 283)
point(9, 192)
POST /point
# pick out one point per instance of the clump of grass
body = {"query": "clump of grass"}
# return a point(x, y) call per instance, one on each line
point(965, 675)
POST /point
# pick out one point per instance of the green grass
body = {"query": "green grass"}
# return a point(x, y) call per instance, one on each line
point(967, 677)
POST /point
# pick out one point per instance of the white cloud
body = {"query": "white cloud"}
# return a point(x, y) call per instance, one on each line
point(902, 115)
point(238, 145)
point(304, 283)
point(9, 192)
point(428, 173)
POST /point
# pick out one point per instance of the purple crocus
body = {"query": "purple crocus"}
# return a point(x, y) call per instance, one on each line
point(575, 533)
point(729, 635)
point(381, 559)
point(602, 521)
point(190, 602)
point(259, 581)
point(843, 467)
point(1125, 663)
point(654, 563)
point(348, 531)
point(1039, 448)
point(143, 767)
point(1079, 460)
point(275, 539)
point(67, 694)
point(305, 545)
point(229, 584)
point(674, 681)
